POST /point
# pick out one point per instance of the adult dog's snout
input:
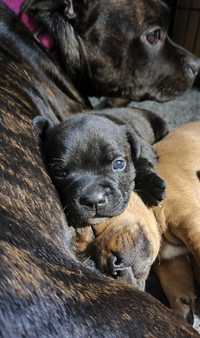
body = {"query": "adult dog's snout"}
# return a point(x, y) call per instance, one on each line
point(94, 200)
point(192, 66)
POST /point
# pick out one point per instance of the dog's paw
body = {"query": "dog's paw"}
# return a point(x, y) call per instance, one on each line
point(151, 189)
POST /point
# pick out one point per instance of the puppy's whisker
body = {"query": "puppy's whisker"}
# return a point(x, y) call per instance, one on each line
point(58, 159)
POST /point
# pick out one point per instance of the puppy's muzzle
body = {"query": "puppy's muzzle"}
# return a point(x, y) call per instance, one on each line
point(95, 200)
point(91, 197)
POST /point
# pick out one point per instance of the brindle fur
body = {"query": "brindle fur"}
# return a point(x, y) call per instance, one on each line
point(44, 291)
point(105, 50)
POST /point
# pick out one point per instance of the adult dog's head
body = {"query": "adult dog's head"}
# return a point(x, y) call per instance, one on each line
point(117, 48)
point(91, 161)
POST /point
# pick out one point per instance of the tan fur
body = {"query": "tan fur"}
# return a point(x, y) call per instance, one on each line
point(176, 279)
point(179, 215)
point(179, 162)
point(123, 235)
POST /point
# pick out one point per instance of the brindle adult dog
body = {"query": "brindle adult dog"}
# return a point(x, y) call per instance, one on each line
point(117, 48)
point(44, 291)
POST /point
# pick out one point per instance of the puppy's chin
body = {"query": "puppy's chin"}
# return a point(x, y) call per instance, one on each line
point(78, 217)
point(126, 275)
point(101, 219)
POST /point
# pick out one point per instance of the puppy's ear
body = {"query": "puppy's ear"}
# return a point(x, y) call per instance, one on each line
point(134, 143)
point(40, 127)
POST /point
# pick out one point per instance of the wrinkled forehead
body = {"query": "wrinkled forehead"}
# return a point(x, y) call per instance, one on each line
point(94, 130)
point(94, 138)
point(140, 13)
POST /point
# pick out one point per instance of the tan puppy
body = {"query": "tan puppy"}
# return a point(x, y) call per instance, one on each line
point(179, 215)
point(129, 240)
point(178, 218)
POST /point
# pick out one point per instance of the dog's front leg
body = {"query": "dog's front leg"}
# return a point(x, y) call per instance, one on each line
point(148, 184)
point(176, 278)
point(188, 231)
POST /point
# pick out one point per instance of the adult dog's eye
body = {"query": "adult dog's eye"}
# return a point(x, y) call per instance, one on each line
point(119, 164)
point(154, 37)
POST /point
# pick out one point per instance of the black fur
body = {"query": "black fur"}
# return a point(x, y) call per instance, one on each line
point(79, 155)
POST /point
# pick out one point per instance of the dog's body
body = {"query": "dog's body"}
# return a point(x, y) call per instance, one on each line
point(177, 219)
point(179, 214)
point(44, 291)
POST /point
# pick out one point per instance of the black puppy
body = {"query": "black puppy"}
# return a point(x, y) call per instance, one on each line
point(96, 160)
point(117, 48)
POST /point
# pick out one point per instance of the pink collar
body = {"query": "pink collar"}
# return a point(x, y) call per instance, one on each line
point(45, 39)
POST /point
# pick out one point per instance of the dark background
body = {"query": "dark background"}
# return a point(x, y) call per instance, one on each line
point(185, 23)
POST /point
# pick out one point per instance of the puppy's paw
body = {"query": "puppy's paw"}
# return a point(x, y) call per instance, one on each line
point(151, 189)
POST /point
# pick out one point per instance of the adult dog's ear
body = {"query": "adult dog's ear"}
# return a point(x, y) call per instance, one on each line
point(40, 127)
point(47, 7)
point(134, 143)
point(55, 16)
point(69, 9)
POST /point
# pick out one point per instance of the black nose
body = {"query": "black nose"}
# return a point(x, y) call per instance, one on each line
point(192, 67)
point(93, 200)
point(115, 264)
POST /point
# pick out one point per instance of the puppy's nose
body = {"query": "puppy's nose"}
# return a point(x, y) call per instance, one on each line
point(93, 200)
point(115, 264)
point(192, 67)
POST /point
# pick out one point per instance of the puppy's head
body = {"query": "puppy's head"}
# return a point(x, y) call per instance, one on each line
point(125, 246)
point(91, 161)
point(118, 48)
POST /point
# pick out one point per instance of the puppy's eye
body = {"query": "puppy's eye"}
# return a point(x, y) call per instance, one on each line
point(154, 37)
point(119, 164)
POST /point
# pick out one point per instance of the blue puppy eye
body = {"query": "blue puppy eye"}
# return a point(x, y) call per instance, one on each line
point(119, 164)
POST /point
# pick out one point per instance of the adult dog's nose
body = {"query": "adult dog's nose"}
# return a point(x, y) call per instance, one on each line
point(192, 67)
point(93, 200)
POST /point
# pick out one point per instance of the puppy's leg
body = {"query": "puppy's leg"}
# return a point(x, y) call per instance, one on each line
point(176, 278)
point(148, 184)
point(188, 231)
